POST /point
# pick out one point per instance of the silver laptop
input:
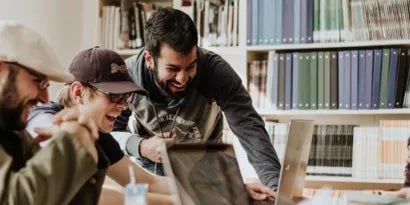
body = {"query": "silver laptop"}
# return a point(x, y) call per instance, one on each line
point(208, 174)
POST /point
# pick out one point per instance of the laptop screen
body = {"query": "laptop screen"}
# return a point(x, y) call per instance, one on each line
point(206, 174)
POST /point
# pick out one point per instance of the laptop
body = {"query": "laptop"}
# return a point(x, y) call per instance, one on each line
point(208, 174)
point(367, 198)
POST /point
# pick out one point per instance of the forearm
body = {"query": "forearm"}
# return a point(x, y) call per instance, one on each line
point(248, 126)
point(129, 142)
point(111, 195)
point(160, 185)
point(264, 160)
point(52, 176)
point(162, 199)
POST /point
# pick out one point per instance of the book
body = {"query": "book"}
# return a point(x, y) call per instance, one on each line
point(288, 81)
point(281, 81)
point(295, 81)
point(287, 21)
point(278, 12)
point(309, 21)
point(402, 73)
point(392, 79)
point(320, 80)
point(384, 78)
point(341, 81)
point(354, 79)
point(313, 80)
point(347, 79)
point(341, 70)
point(254, 24)
point(378, 53)
point(327, 79)
point(368, 79)
point(304, 80)
point(333, 80)
point(275, 80)
point(362, 80)
point(272, 81)
point(299, 25)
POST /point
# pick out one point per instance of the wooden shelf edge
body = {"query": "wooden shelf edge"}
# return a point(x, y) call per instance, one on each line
point(235, 50)
point(330, 45)
point(127, 52)
point(349, 183)
point(399, 111)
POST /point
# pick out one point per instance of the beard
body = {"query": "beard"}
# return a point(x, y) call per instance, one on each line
point(164, 86)
point(10, 107)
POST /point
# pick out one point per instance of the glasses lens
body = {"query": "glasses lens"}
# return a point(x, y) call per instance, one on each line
point(42, 80)
point(120, 98)
point(44, 84)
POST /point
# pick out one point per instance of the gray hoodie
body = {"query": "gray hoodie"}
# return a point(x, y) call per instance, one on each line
point(197, 116)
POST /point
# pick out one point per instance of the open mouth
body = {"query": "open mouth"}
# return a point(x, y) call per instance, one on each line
point(110, 118)
point(177, 86)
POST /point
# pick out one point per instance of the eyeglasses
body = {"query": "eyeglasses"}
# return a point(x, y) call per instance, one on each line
point(114, 98)
point(41, 80)
point(42, 83)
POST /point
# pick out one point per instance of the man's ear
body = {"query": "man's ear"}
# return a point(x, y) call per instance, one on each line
point(2, 65)
point(76, 92)
point(149, 60)
point(3, 72)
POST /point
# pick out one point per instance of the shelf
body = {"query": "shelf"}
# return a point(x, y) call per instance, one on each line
point(226, 50)
point(352, 183)
point(223, 50)
point(127, 52)
point(330, 45)
point(401, 111)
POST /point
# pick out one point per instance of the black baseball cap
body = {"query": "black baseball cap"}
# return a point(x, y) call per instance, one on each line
point(105, 70)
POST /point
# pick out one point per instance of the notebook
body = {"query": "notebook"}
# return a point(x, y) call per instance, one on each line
point(365, 198)
point(208, 174)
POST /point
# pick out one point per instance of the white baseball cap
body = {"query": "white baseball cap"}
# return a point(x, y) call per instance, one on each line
point(20, 44)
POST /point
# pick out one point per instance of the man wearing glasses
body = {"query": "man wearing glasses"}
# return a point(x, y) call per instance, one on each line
point(102, 89)
point(27, 175)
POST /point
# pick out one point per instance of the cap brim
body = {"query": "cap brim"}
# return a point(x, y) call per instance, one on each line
point(119, 87)
point(61, 77)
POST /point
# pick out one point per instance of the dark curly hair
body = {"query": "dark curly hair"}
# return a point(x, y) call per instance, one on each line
point(172, 27)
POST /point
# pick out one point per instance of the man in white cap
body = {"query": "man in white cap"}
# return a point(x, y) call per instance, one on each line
point(55, 173)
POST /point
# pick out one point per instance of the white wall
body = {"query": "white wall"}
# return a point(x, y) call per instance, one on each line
point(68, 25)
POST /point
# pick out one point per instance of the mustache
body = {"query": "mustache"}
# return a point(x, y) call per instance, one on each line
point(178, 83)
point(33, 102)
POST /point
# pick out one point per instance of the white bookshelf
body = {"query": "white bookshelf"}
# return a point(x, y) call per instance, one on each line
point(352, 183)
point(358, 117)
point(127, 52)
point(267, 112)
point(240, 55)
point(312, 46)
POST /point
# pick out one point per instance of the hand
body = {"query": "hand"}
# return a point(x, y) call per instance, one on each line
point(40, 137)
point(81, 133)
point(82, 127)
point(74, 114)
point(258, 191)
point(150, 148)
point(402, 193)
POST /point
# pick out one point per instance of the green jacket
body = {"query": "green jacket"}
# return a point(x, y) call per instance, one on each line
point(50, 176)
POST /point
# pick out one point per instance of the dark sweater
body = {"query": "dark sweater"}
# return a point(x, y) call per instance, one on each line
point(216, 89)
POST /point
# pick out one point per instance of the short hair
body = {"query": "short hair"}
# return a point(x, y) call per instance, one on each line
point(408, 141)
point(172, 27)
point(65, 99)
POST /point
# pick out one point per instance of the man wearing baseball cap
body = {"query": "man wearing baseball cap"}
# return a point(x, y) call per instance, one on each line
point(55, 173)
point(101, 89)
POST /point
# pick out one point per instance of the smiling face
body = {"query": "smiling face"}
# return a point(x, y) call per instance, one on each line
point(173, 71)
point(97, 106)
point(20, 91)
